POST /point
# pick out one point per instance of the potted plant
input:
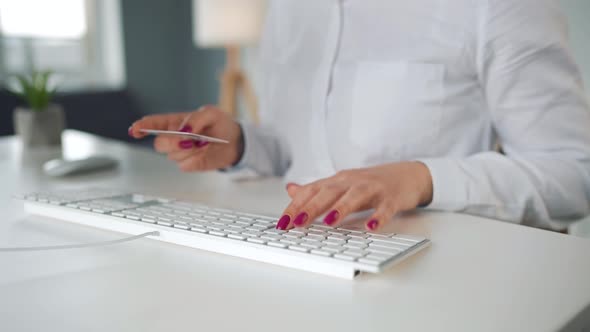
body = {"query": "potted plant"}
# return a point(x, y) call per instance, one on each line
point(41, 122)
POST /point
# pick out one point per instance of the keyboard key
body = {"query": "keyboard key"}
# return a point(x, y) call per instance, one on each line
point(321, 253)
point(236, 237)
point(359, 241)
point(332, 248)
point(315, 237)
point(132, 217)
point(150, 220)
point(413, 238)
point(271, 237)
point(301, 231)
point(377, 257)
point(334, 242)
point(383, 250)
point(252, 233)
point(277, 244)
point(388, 245)
point(355, 253)
point(255, 240)
point(355, 245)
point(198, 229)
point(337, 237)
point(358, 236)
point(344, 257)
point(298, 248)
point(164, 223)
point(339, 232)
point(311, 245)
point(368, 261)
point(181, 226)
point(292, 235)
point(290, 241)
point(274, 231)
point(260, 227)
point(218, 233)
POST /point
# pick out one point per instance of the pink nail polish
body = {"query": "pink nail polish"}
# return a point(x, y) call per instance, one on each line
point(186, 144)
point(200, 144)
point(300, 219)
point(283, 222)
point(372, 224)
point(186, 129)
point(331, 217)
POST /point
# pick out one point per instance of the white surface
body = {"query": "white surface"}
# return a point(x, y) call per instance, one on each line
point(219, 23)
point(479, 274)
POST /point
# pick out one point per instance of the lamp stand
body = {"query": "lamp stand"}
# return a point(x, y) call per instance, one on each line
point(235, 82)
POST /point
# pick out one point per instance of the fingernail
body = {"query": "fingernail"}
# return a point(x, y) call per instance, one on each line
point(130, 131)
point(186, 144)
point(201, 144)
point(331, 217)
point(300, 219)
point(283, 222)
point(372, 224)
point(186, 129)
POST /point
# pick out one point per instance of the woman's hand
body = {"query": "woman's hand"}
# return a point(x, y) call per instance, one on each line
point(389, 189)
point(192, 155)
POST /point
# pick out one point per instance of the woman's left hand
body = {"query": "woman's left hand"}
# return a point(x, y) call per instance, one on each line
point(389, 189)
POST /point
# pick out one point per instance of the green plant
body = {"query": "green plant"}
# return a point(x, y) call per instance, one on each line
point(34, 90)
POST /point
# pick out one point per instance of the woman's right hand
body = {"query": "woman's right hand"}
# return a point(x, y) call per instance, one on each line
point(192, 155)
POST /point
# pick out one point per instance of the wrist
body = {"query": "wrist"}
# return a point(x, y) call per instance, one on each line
point(426, 186)
point(239, 146)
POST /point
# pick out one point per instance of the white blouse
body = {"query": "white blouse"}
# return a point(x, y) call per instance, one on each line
point(356, 83)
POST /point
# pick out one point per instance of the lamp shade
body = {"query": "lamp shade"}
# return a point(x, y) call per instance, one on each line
point(219, 23)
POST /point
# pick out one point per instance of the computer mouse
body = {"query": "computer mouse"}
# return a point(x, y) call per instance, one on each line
point(60, 167)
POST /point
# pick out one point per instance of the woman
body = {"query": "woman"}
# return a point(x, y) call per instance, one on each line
point(392, 105)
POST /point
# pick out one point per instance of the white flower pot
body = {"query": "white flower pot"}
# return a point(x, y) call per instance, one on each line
point(42, 128)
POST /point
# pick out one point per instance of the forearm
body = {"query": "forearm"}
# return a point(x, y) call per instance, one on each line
point(541, 192)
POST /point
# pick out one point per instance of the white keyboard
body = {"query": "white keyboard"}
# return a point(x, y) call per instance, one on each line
point(342, 252)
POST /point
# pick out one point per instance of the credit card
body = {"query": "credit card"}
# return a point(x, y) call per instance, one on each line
point(196, 137)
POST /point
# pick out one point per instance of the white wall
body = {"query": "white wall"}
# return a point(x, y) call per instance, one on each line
point(578, 12)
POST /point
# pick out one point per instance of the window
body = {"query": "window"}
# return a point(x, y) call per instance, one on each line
point(79, 40)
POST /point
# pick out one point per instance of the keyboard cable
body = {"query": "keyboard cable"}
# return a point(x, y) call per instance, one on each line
point(82, 245)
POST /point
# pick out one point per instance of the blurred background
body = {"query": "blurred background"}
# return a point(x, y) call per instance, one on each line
point(115, 60)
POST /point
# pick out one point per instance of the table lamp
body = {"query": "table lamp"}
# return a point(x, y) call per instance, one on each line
point(230, 24)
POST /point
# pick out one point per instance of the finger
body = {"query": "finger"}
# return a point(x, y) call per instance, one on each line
point(204, 117)
point(319, 204)
point(382, 215)
point(292, 211)
point(169, 144)
point(193, 163)
point(181, 155)
point(292, 188)
point(158, 122)
point(355, 199)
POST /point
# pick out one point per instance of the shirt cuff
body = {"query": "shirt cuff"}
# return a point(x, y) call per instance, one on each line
point(450, 191)
point(246, 159)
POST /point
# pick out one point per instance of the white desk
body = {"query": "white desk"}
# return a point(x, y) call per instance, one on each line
point(479, 274)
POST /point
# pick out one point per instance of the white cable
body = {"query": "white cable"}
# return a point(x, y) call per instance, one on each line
point(83, 245)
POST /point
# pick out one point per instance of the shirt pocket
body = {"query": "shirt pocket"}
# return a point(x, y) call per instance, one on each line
point(396, 109)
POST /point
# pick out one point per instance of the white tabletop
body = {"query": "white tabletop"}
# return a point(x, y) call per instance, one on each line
point(478, 275)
